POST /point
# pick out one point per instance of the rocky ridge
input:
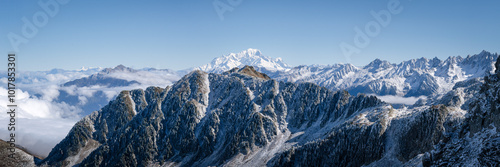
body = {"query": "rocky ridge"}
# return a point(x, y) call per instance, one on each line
point(205, 119)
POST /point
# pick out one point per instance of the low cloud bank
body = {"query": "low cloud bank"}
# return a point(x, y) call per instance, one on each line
point(399, 99)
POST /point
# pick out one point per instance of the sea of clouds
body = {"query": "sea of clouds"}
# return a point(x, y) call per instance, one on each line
point(43, 119)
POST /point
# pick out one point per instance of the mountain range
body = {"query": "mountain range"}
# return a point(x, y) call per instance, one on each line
point(416, 77)
point(245, 118)
point(412, 78)
point(419, 78)
point(247, 109)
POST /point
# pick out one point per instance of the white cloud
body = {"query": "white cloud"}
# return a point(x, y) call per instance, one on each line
point(88, 91)
point(57, 77)
point(110, 94)
point(69, 89)
point(40, 124)
point(50, 92)
point(148, 78)
point(400, 99)
point(82, 99)
point(35, 108)
point(39, 136)
point(42, 121)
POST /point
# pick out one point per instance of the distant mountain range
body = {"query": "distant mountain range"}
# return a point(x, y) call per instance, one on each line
point(412, 78)
point(415, 77)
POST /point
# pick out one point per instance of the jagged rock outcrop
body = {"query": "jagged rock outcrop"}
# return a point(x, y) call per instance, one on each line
point(389, 140)
point(477, 142)
point(248, 70)
point(461, 95)
point(421, 134)
point(350, 145)
point(96, 128)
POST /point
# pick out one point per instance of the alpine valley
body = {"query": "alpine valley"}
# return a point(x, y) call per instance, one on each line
point(247, 109)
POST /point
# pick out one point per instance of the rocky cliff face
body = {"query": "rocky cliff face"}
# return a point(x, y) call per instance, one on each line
point(388, 138)
point(100, 126)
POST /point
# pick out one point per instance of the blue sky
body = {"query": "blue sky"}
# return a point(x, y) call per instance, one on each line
point(180, 34)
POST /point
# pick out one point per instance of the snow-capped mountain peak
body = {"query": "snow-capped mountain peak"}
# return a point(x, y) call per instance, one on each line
point(378, 64)
point(251, 57)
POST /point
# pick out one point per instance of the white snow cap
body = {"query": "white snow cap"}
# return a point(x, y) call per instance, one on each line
point(252, 57)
